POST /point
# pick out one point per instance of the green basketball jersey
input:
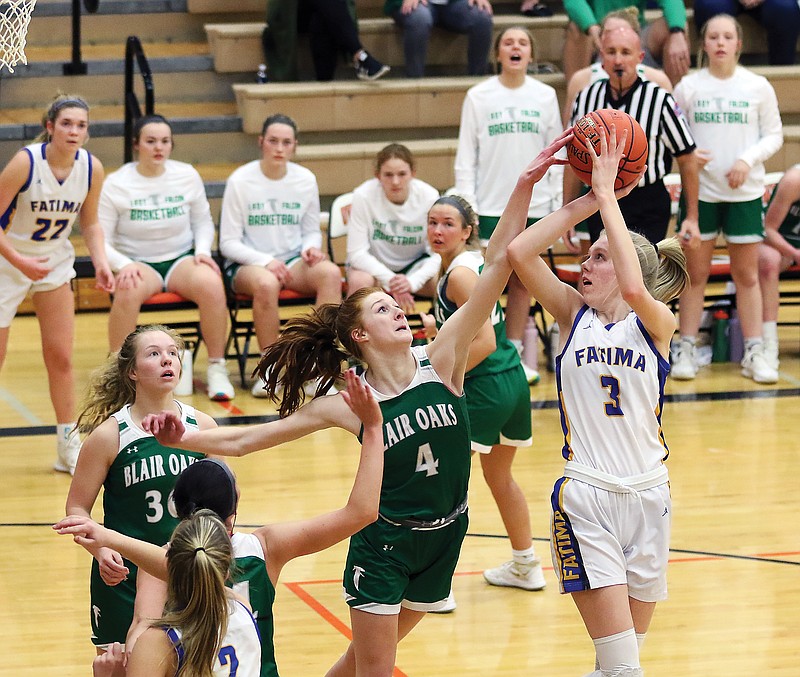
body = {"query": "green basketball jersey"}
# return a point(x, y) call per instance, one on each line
point(790, 226)
point(505, 355)
point(252, 582)
point(137, 500)
point(427, 447)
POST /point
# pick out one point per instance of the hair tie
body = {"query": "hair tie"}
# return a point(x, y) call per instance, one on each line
point(196, 550)
point(655, 246)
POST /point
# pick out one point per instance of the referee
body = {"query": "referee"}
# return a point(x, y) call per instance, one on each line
point(647, 208)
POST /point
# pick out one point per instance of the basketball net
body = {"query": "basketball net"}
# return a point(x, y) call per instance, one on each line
point(15, 15)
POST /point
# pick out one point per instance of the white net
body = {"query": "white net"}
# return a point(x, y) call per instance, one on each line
point(15, 15)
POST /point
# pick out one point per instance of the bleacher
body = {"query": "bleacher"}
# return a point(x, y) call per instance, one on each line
point(204, 57)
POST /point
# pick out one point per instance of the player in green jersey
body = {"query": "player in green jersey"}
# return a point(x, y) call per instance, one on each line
point(260, 555)
point(136, 472)
point(401, 566)
point(498, 396)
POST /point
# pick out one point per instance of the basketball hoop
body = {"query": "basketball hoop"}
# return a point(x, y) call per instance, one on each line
point(15, 15)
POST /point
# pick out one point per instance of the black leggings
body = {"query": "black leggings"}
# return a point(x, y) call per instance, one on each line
point(332, 30)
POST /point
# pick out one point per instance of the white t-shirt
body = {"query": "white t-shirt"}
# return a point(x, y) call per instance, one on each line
point(264, 219)
point(502, 131)
point(736, 119)
point(154, 218)
point(383, 238)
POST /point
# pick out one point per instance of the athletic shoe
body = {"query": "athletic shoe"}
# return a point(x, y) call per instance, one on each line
point(258, 389)
point(771, 354)
point(755, 366)
point(310, 388)
point(449, 605)
point(684, 365)
point(67, 453)
point(515, 575)
point(539, 10)
point(220, 388)
point(368, 67)
point(531, 375)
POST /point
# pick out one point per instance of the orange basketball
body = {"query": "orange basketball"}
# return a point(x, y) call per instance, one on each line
point(587, 130)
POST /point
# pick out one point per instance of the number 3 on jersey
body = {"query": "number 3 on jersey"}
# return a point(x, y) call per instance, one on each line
point(611, 384)
point(426, 462)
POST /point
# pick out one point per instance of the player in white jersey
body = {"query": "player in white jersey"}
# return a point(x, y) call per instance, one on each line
point(611, 509)
point(270, 235)
point(505, 121)
point(734, 117)
point(386, 242)
point(159, 233)
point(43, 189)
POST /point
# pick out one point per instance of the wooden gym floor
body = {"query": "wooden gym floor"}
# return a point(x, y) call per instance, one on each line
point(734, 573)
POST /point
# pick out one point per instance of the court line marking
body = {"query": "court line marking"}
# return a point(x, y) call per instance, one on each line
point(21, 409)
point(240, 418)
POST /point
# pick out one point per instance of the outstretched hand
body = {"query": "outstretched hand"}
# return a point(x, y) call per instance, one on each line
point(606, 165)
point(359, 398)
point(84, 531)
point(166, 427)
point(547, 158)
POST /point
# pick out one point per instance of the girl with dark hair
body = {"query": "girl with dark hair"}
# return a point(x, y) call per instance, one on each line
point(137, 473)
point(498, 395)
point(611, 510)
point(270, 233)
point(386, 243)
point(43, 190)
point(159, 234)
point(423, 508)
point(260, 555)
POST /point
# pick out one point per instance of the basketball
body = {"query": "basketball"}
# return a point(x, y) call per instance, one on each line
point(587, 130)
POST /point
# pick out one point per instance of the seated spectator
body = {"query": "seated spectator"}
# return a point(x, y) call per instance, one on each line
point(779, 251)
point(333, 31)
point(159, 233)
point(780, 18)
point(664, 40)
point(417, 17)
point(596, 71)
point(387, 243)
point(270, 232)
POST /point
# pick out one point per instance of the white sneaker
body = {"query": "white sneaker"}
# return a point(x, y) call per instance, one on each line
point(258, 389)
point(531, 375)
point(310, 388)
point(220, 387)
point(684, 365)
point(771, 354)
point(449, 605)
point(756, 367)
point(514, 575)
point(67, 453)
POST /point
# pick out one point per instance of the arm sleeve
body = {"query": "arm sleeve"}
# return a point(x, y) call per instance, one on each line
point(771, 130)
point(200, 218)
point(108, 216)
point(466, 164)
point(358, 254)
point(309, 224)
point(581, 13)
point(231, 231)
point(674, 13)
point(425, 272)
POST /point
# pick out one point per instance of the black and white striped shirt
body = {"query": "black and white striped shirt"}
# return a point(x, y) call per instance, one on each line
point(656, 111)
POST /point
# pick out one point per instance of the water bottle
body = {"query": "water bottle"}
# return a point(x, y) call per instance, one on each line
point(530, 345)
point(261, 74)
point(720, 351)
point(186, 384)
point(555, 345)
point(736, 339)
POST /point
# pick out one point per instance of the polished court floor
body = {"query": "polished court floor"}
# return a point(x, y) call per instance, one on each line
point(734, 572)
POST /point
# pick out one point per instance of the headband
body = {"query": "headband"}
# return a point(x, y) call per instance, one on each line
point(453, 202)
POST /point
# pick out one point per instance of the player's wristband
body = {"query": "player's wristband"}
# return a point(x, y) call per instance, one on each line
point(677, 29)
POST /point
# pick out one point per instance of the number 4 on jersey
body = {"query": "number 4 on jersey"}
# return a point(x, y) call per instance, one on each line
point(426, 462)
